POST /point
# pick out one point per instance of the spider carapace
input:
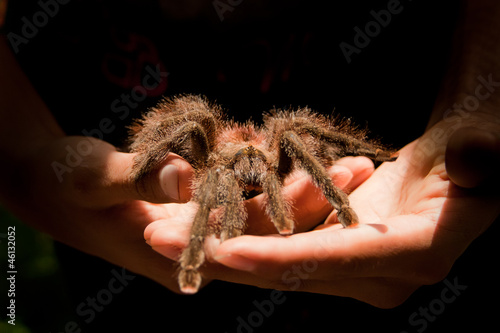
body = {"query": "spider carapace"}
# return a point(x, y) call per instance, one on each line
point(235, 161)
point(251, 187)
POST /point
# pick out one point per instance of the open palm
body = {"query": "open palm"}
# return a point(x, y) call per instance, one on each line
point(414, 224)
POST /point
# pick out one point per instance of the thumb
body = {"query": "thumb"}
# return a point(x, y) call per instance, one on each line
point(473, 157)
point(168, 183)
point(102, 176)
point(107, 180)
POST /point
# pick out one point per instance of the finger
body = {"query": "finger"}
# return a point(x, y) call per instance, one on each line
point(168, 238)
point(169, 235)
point(473, 157)
point(171, 182)
point(361, 167)
point(97, 178)
point(309, 206)
point(400, 248)
point(103, 179)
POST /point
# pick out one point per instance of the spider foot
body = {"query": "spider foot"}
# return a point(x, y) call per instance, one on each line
point(286, 228)
point(347, 216)
point(385, 156)
point(189, 280)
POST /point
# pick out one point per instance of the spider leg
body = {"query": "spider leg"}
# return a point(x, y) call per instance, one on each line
point(151, 159)
point(293, 147)
point(193, 255)
point(250, 165)
point(277, 208)
point(349, 144)
point(234, 213)
point(170, 114)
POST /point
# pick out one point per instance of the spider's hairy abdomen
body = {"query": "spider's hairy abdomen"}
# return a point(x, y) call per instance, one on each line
point(234, 137)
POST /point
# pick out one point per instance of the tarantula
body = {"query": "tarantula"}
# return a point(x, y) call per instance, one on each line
point(235, 161)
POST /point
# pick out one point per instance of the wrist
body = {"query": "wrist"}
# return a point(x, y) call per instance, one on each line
point(472, 81)
point(480, 101)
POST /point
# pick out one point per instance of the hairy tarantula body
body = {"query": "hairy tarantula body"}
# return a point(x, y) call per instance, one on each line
point(236, 161)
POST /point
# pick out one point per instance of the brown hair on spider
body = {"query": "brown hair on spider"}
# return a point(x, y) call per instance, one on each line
point(236, 161)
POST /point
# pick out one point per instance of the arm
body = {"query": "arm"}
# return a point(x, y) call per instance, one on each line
point(21, 111)
point(470, 96)
point(473, 58)
point(94, 206)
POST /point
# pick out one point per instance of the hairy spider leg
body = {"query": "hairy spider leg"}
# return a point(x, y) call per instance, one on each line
point(230, 197)
point(277, 208)
point(252, 169)
point(292, 147)
point(206, 119)
point(193, 255)
point(197, 154)
point(349, 144)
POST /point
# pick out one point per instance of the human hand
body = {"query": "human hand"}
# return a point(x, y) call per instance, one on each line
point(80, 192)
point(91, 204)
point(414, 223)
point(170, 236)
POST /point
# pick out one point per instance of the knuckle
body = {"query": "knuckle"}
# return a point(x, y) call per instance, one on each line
point(84, 184)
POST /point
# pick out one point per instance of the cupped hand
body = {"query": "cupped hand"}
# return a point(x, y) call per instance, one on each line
point(80, 193)
point(415, 222)
point(170, 235)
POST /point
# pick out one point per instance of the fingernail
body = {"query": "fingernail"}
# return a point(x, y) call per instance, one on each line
point(169, 181)
point(236, 261)
point(337, 169)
